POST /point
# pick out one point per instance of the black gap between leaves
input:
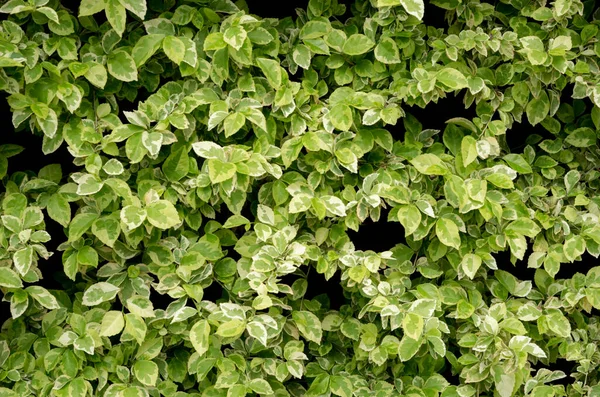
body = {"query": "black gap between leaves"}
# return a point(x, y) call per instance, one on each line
point(560, 364)
point(159, 301)
point(519, 269)
point(435, 115)
point(4, 312)
point(568, 270)
point(329, 293)
point(32, 158)
point(276, 9)
point(214, 292)
point(523, 133)
point(435, 16)
point(377, 236)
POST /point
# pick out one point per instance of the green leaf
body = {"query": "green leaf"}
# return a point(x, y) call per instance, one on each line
point(145, 47)
point(301, 56)
point(415, 8)
point(136, 327)
point(174, 48)
point(81, 224)
point(162, 214)
point(412, 324)
point(502, 181)
point(314, 29)
point(43, 297)
point(386, 51)
point(138, 7)
point(300, 203)
point(505, 383)
point(452, 78)
point(141, 306)
point(112, 323)
point(290, 150)
point(233, 123)
point(122, 66)
point(235, 36)
point(334, 205)
point(407, 348)
point(543, 391)
point(558, 323)
point(257, 331)
point(357, 44)
point(88, 184)
point(518, 163)
point(319, 386)
point(340, 116)
point(220, 171)
point(523, 226)
point(581, 137)
point(96, 74)
point(537, 109)
point(271, 70)
point(309, 325)
point(146, 372)
point(116, 15)
point(209, 150)
point(231, 329)
point(574, 247)
point(429, 164)
point(447, 232)
point(85, 343)
point(533, 47)
point(98, 293)
point(23, 259)
point(132, 216)
point(410, 218)
point(341, 386)
point(199, 336)
point(90, 7)
point(177, 165)
point(470, 264)
point(260, 386)
point(9, 279)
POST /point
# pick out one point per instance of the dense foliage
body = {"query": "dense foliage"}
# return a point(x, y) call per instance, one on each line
point(195, 220)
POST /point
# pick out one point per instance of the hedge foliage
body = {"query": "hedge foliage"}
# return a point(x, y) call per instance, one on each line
point(254, 145)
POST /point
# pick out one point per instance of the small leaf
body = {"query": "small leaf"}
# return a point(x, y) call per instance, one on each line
point(199, 336)
point(112, 323)
point(98, 293)
point(138, 7)
point(116, 15)
point(358, 44)
point(43, 297)
point(9, 279)
point(271, 70)
point(146, 372)
point(429, 164)
point(447, 231)
point(387, 51)
point(309, 325)
point(59, 209)
point(122, 66)
point(340, 116)
point(470, 264)
point(260, 386)
point(415, 8)
point(174, 48)
point(452, 78)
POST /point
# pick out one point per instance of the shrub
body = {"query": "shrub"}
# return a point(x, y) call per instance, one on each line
point(218, 164)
